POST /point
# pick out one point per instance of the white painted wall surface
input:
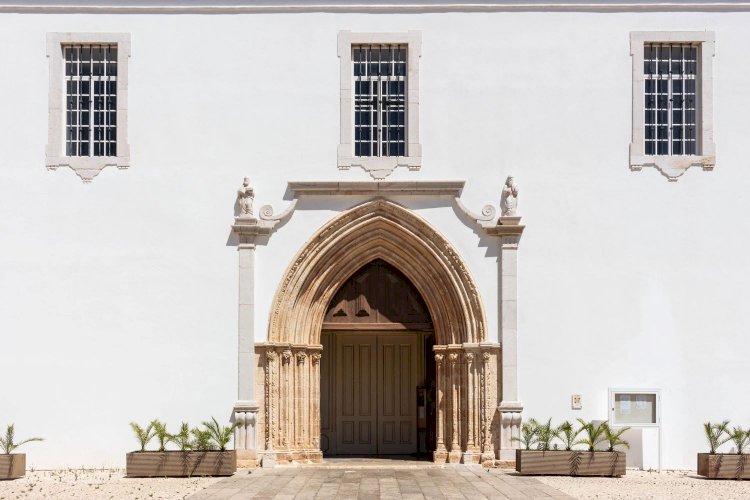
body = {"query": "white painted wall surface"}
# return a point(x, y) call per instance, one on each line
point(118, 299)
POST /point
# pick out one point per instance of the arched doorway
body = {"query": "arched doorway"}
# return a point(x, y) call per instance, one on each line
point(377, 373)
point(466, 366)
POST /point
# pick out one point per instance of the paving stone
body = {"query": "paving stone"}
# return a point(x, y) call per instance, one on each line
point(371, 479)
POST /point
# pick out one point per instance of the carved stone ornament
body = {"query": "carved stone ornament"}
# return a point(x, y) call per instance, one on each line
point(301, 357)
point(453, 357)
point(245, 197)
point(315, 357)
point(286, 355)
point(509, 198)
point(438, 357)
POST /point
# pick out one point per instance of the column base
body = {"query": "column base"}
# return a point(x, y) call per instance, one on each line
point(470, 457)
point(454, 457)
point(508, 454)
point(247, 459)
point(440, 456)
point(487, 459)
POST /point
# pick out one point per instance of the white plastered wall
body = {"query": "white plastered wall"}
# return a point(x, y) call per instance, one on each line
point(118, 299)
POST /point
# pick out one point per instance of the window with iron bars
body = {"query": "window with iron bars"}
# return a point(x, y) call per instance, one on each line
point(670, 74)
point(91, 100)
point(380, 86)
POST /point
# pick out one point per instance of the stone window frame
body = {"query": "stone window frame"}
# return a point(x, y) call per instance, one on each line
point(379, 167)
point(85, 167)
point(674, 166)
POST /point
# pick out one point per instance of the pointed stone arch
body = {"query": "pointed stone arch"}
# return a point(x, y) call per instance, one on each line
point(377, 229)
point(466, 366)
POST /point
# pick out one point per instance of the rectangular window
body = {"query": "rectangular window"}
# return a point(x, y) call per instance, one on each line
point(90, 99)
point(634, 407)
point(380, 80)
point(670, 73)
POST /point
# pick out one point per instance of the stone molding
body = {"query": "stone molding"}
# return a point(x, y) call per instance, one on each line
point(377, 188)
point(85, 167)
point(392, 6)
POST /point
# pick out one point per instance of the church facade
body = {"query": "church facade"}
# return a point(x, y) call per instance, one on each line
point(370, 228)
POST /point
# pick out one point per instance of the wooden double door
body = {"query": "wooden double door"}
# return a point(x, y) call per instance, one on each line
point(374, 388)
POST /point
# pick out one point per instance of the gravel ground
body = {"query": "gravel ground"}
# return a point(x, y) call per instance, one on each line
point(99, 484)
point(683, 485)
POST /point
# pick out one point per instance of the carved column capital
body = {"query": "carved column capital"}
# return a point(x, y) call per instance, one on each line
point(469, 357)
point(301, 357)
point(286, 355)
point(271, 355)
point(315, 358)
point(439, 357)
point(453, 357)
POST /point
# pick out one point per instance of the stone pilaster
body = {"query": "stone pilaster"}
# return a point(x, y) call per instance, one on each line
point(245, 412)
point(509, 232)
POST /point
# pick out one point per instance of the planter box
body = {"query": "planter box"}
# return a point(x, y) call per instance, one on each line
point(180, 463)
point(724, 466)
point(570, 463)
point(12, 466)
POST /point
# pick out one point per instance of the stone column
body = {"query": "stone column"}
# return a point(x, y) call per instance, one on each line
point(246, 407)
point(315, 453)
point(441, 454)
point(471, 455)
point(454, 456)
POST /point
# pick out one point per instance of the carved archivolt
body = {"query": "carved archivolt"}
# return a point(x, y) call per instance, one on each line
point(377, 229)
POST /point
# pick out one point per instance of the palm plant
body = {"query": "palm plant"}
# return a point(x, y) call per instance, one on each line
point(528, 434)
point(593, 434)
point(182, 438)
point(8, 443)
point(160, 429)
point(143, 435)
point(568, 435)
point(221, 435)
point(740, 438)
point(201, 440)
point(545, 433)
point(613, 438)
point(717, 434)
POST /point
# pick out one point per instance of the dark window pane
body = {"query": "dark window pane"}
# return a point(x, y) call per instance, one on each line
point(84, 118)
point(662, 116)
point(677, 86)
point(676, 132)
point(662, 147)
point(84, 149)
point(689, 148)
point(650, 86)
point(662, 132)
point(111, 149)
point(650, 116)
point(690, 117)
point(662, 86)
point(677, 116)
point(98, 149)
point(676, 147)
point(650, 132)
point(663, 101)
point(85, 87)
point(690, 86)
point(650, 148)
point(677, 101)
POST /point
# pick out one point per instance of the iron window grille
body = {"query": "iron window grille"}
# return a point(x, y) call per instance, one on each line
point(91, 99)
point(670, 78)
point(380, 91)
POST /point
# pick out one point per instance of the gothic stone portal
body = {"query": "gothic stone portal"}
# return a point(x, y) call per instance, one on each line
point(385, 242)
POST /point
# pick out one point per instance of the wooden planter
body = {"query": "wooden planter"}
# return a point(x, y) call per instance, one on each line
point(12, 466)
point(724, 466)
point(180, 463)
point(571, 463)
